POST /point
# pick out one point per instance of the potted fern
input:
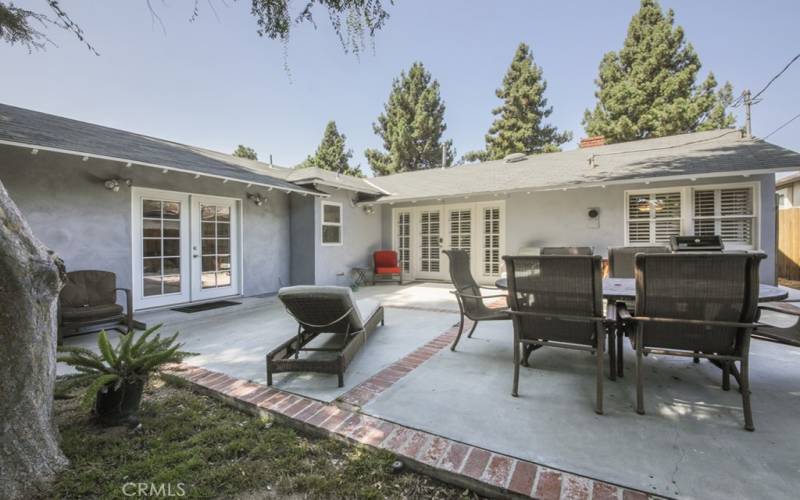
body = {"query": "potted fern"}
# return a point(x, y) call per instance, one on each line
point(117, 375)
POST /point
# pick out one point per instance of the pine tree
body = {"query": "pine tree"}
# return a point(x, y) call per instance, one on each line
point(649, 89)
point(243, 151)
point(519, 126)
point(331, 153)
point(411, 126)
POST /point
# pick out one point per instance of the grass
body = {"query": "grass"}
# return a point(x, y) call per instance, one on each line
point(193, 444)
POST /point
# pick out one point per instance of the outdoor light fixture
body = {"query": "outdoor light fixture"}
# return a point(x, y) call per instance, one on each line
point(369, 209)
point(256, 198)
point(114, 184)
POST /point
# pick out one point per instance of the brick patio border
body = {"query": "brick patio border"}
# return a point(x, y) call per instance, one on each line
point(483, 471)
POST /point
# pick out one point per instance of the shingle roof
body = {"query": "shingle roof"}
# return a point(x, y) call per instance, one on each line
point(716, 152)
point(18, 125)
point(326, 177)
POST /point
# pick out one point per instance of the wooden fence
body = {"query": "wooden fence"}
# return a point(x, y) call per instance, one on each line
point(789, 243)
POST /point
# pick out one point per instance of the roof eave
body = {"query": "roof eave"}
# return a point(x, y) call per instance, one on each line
point(389, 200)
point(130, 162)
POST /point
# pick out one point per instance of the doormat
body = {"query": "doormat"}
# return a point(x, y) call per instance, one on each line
point(206, 307)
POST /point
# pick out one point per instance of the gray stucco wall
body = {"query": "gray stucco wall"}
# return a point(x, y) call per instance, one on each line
point(559, 218)
point(361, 236)
point(89, 226)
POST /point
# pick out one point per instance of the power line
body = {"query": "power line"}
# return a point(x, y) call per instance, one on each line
point(754, 99)
point(671, 146)
point(795, 117)
point(795, 58)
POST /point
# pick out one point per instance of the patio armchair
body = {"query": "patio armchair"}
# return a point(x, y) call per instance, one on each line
point(621, 265)
point(783, 335)
point(386, 264)
point(567, 251)
point(323, 310)
point(471, 303)
point(697, 305)
point(88, 303)
point(557, 301)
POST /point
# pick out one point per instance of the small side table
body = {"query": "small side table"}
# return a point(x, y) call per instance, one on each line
point(360, 275)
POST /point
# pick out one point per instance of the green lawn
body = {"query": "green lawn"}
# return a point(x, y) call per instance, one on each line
point(193, 444)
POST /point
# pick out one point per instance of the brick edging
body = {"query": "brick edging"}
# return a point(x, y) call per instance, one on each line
point(483, 471)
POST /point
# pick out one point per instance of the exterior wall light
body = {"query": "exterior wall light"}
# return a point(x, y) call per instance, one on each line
point(369, 209)
point(114, 184)
point(256, 198)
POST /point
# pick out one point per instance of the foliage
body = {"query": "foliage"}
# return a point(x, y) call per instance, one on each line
point(350, 19)
point(243, 151)
point(16, 25)
point(411, 126)
point(648, 88)
point(217, 451)
point(332, 153)
point(519, 126)
point(133, 359)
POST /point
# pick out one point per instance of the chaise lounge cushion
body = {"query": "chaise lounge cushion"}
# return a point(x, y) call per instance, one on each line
point(362, 310)
point(89, 288)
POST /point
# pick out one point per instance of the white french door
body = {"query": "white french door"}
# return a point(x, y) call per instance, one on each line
point(478, 228)
point(185, 248)
point(429, 244)
point(214, 248)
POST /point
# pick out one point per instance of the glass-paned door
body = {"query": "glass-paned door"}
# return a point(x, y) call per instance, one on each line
point(430, 244)
point(460, 229)
point(214, 248)
point(160, 248)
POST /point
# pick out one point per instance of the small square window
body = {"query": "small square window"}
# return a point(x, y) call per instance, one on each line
point(331, 223)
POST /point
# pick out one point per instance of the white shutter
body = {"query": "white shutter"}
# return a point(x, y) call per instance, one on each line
point(653, 217)
point(727, 212)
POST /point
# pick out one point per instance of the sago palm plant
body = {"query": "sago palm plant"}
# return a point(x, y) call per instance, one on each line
point(119, 372)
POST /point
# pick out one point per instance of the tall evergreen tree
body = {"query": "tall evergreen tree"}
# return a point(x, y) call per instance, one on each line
point(411, 126)
point(519, 126)
point(649, 88)
point(331, 153)
point(243, 151)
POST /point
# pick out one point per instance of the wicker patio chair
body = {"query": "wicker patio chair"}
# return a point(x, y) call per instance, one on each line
point(88, 303)
point(567, 251)
point(697, 305)
point(621, 265)
point(323, 309)
point(471, 304)
point(783, 335)
point(557, 301)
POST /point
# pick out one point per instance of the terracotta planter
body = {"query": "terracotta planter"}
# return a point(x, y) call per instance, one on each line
point(119, 406)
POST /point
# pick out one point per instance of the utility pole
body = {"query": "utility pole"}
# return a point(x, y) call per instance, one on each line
point(748, 126)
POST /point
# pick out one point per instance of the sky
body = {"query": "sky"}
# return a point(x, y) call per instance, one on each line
point(214, 83)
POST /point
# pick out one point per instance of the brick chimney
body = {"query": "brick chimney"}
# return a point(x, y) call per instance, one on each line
point(590, 142)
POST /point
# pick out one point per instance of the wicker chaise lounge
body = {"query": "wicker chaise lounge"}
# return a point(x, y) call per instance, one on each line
point(323, 309)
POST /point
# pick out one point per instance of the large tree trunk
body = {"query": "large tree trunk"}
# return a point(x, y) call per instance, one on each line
point(30, 279)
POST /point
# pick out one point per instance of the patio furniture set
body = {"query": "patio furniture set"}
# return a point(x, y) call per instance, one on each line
point(667, 301)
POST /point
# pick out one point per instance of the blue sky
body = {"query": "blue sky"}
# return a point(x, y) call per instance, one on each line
point(214, 83)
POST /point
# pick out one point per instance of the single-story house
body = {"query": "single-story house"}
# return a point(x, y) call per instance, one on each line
point(179, 223)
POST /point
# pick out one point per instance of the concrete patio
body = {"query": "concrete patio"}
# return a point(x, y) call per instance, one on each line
point(691, 443)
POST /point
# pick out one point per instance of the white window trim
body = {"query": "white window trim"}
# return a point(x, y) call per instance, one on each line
point(687, 209)
point(339, 224)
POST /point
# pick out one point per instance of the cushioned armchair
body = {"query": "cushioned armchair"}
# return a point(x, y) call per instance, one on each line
point(385, 265)
point(88, 303)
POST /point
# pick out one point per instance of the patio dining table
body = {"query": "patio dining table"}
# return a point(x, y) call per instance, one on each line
point(624, 290)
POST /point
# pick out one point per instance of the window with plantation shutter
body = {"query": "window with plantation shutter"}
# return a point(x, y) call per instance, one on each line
point(653, 217)
point(728, 212)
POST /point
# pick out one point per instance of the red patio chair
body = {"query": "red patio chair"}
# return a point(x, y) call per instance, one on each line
point(385, 264)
